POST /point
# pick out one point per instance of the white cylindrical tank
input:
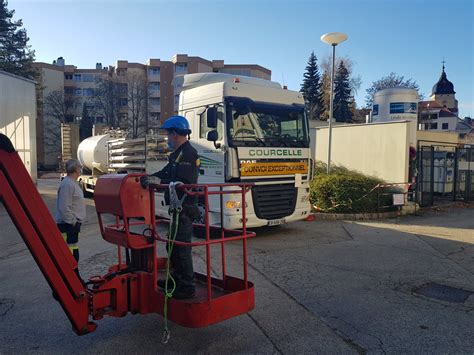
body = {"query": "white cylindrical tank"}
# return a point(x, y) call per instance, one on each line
point(395, 104)
point(92, 152)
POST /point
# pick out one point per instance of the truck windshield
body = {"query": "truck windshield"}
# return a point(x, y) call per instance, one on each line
point(255, 124)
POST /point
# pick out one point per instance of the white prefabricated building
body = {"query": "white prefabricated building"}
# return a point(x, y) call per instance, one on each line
point(18, 117)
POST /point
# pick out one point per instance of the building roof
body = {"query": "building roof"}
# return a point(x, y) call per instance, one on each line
point(423, 105)
point(444, 112)
point(464, 127)
point(443, 86)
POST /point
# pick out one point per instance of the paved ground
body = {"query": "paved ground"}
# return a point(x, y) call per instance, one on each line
point(321, 287)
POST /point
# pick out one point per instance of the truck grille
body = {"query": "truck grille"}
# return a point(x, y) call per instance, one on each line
point(274, 201)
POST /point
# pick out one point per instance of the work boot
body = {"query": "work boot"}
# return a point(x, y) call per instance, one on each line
point(184, 293)
point(162, 284)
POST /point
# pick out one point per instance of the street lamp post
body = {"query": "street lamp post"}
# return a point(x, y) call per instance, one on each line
point(333, 39)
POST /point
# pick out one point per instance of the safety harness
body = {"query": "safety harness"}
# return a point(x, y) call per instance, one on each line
point(175, 209)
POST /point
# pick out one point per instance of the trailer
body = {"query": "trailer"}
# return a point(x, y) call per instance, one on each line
point(113, 153)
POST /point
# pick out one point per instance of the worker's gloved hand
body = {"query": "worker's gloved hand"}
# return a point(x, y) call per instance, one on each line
point(149, 180)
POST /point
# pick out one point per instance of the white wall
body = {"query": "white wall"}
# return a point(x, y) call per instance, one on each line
point(18, 117)
point(377, 149)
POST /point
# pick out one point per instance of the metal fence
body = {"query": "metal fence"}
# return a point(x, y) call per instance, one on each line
point(445, 173)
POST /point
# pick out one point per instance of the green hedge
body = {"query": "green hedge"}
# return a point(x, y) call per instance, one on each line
point(345, 191)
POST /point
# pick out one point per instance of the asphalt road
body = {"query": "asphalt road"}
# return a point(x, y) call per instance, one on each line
point(321, 287)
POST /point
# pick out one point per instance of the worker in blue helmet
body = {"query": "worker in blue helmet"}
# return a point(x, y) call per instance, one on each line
point(183, 166)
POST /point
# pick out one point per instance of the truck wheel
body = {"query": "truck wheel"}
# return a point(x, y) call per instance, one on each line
point(86, 193)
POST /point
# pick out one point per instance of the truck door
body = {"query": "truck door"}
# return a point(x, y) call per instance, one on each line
point(212, 169)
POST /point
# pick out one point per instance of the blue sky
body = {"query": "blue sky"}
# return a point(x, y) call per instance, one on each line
point(410, 38)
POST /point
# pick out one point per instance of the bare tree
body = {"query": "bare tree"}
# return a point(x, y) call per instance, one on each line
point(107, 98)
point(392, 80)
point(57, 108)
point(137, 86)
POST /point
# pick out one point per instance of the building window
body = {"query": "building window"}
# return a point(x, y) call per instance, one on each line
point(445, 126)
point(68, 90)
point(154, 118)
point(88, 78)
point(68, 76)
point(180, 68)
point(244, 72)
point(77, 77)
point(375, 110)
point(153, 71)
point(122, 89)
point(88, 92)
point(77, 92)
point(154, 101)
point(123, 102)
point(403, 107)
point(178, 85)
point(434, 125)
point(154, 87)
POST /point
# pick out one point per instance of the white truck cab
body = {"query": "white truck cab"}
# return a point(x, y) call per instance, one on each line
point(249, 130)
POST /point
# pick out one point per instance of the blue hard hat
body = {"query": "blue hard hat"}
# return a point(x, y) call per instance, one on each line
point(177, 123)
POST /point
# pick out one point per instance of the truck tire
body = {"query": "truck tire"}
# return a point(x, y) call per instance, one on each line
point(86, 193)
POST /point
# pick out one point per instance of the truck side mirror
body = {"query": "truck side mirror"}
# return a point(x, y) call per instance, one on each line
point(212, 136)
point(211, 117)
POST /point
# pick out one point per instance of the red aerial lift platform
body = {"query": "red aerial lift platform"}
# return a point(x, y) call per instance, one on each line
point(130, 286)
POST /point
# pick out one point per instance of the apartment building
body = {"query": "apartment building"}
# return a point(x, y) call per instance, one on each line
point(148, 90)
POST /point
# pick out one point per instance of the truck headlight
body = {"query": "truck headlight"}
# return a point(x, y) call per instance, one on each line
point(234, 204)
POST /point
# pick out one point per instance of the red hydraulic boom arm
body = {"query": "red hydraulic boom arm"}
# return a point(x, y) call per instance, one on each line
point(40, 233)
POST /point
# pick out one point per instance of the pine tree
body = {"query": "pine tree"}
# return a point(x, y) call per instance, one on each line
point(87, 122)
point(16, 56)
point(342, 95)
point(311, 89)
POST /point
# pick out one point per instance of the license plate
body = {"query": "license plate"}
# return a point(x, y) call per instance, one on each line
point(276, 222)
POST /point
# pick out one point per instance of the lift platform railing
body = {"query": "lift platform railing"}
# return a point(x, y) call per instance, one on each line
point(136, 233)
point(225, 235)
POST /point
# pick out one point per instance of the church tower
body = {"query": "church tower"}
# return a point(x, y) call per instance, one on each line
point(443, 93)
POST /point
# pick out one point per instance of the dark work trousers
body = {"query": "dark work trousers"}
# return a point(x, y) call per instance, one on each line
point(181, 257)
point(70, 234)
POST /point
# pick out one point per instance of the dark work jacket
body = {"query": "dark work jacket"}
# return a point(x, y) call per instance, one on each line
point(183, 165)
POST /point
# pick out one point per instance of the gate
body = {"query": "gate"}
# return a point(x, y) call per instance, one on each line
point(445, 173)
point(465, 174)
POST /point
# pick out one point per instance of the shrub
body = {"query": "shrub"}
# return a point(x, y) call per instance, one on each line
point(345, 191)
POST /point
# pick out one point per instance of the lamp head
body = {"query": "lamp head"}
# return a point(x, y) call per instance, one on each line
point(333, 38)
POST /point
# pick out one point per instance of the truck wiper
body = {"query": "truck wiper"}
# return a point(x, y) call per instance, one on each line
point(257, 139)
